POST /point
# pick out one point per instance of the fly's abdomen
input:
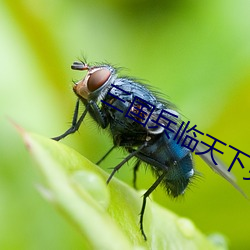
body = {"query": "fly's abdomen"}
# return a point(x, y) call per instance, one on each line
point(166, 156)
point(178, 176)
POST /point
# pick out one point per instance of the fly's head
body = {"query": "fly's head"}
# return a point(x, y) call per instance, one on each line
point(97, 79)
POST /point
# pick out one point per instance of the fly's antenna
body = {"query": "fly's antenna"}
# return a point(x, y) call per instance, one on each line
point(80, 66)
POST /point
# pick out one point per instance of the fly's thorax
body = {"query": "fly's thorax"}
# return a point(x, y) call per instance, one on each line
point(94, 85)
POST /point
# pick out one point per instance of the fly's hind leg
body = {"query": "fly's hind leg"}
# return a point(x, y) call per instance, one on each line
point(145, 196)
point(135, 169)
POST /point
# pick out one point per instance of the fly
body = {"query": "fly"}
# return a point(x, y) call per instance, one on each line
point(130, 111)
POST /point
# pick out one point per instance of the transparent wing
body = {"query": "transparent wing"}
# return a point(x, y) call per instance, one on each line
point(220, 168)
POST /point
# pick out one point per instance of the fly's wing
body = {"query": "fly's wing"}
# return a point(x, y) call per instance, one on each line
point(220, 168)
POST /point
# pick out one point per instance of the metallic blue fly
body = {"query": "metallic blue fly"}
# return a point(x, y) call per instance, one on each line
point(142, 123)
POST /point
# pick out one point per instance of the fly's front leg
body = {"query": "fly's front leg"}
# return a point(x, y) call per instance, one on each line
point(97, 114)
point(75, 123)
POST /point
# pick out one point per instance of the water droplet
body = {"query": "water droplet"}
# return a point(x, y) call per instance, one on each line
point(187, 227)
point(95, 186)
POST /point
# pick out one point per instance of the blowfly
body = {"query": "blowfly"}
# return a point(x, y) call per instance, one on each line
point(148, 127)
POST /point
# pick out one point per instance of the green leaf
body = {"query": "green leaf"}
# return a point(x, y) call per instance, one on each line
point(107, 215)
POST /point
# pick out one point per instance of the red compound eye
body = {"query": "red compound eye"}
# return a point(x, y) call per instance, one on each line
point(97, 79)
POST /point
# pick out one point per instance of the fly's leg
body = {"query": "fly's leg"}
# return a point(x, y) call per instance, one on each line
point(145, 196)
point(75, 124)
point(135, 169)
point(105, 155)
point(125, 160)
point(97, 114)
point(93, 109)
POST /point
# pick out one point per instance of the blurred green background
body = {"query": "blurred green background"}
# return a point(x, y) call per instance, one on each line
point(196, 52)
